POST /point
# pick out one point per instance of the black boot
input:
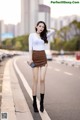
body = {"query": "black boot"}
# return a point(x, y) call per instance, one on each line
point(35, 104)
point(41, 102)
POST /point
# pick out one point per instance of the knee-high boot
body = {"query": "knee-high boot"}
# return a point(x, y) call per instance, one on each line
point(35, 104)
point(41, 102)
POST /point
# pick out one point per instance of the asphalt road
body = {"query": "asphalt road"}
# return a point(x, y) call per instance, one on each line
point(62, 98)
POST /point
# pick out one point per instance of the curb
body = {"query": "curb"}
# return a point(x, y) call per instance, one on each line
point(7, 104)
point(13, 105)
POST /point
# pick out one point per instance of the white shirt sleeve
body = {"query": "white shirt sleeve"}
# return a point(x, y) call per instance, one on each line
point(50, 33)
point(30, 42)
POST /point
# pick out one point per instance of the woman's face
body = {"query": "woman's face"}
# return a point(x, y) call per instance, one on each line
point(40, 27)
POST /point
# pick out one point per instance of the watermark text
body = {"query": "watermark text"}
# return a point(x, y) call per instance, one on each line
point(64, 2)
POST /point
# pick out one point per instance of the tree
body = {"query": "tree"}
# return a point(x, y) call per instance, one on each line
point(18, 45)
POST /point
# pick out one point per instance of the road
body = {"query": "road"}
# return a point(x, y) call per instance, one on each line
point(62, 98)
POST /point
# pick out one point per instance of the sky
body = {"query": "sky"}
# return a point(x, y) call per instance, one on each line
point(10, 9)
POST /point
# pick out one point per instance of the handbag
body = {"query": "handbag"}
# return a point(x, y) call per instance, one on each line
point(32, 64)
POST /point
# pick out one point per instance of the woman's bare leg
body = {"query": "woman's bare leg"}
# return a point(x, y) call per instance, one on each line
point(42, 86)
point(35, 81)
point(34, 88)
point(42, 78)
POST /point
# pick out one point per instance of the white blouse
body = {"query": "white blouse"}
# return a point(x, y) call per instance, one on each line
point(36, 43)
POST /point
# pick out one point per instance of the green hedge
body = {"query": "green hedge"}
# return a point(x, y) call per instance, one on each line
point(70, 45)
point(17, 43)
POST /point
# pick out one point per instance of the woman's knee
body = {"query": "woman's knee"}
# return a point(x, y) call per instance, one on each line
point(42, 81)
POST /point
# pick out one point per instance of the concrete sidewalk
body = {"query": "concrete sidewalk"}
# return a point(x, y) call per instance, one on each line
point(13, 101)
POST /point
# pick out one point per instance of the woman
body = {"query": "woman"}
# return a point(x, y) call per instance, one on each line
point(37, 55)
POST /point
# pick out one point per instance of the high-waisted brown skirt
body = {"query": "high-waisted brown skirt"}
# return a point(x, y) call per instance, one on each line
point(39, 58)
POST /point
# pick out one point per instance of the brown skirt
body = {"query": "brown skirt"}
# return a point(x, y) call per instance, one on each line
point(39, 58)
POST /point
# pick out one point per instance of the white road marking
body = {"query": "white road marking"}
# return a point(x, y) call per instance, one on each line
point(56, 69)
point(43, 115)
point(68, 73)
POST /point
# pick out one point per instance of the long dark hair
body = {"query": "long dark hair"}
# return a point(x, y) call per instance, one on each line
point(43, 34)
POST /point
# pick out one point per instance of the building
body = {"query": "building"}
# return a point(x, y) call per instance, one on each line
point(33, 14)
point(53, 23)
point(41, 1)
point(44, 14)
point(63, 21)
point(29, 15)
point(25, 16)
point(10, 28)
point(17, 30)
point(2, 29)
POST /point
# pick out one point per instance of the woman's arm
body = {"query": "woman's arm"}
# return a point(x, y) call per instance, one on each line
point(50, 32)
